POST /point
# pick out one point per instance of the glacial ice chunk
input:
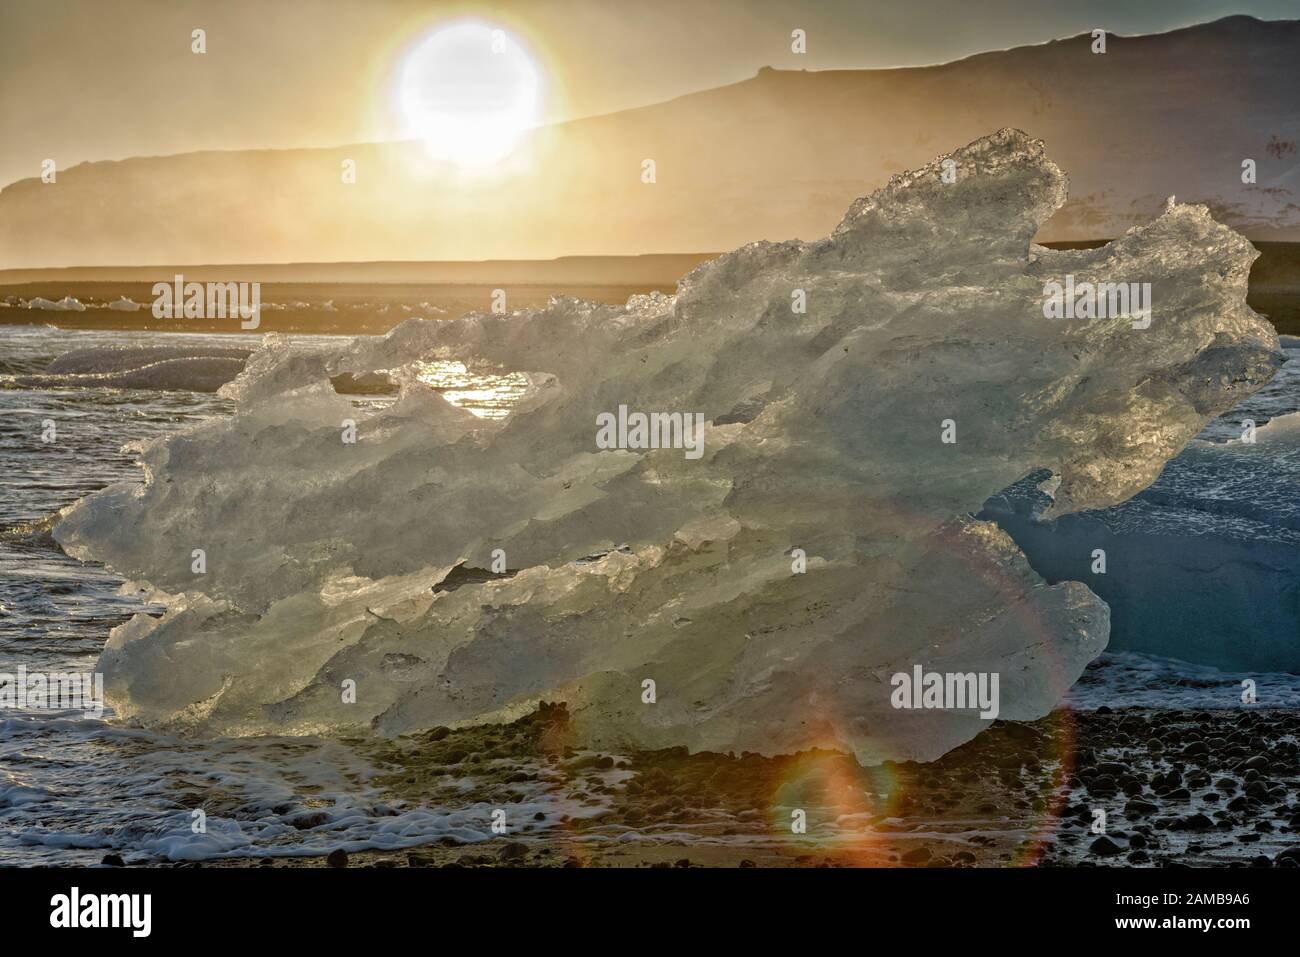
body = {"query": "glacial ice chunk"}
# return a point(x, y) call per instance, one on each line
point(1204, 565)
point(189, 368)
point(456, 569)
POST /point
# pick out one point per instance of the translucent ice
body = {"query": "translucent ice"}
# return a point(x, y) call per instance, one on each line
point(757, 598)
point(1204, 565)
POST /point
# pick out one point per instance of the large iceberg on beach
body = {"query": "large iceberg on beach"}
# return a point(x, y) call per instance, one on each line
point(862, 396)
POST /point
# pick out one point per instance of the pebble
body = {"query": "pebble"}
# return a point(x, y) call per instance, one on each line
point(513, 851)
point(1139, 808)
point(1104, 847)
point(918, 855)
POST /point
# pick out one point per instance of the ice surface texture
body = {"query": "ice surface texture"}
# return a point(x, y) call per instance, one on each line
point(201, 368)
point(329, 562)
point(1204, 565)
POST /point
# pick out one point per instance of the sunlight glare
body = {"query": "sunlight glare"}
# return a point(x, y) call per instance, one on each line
point(470, 92)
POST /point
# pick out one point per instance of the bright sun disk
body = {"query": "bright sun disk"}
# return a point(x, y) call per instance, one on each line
point(470, 92)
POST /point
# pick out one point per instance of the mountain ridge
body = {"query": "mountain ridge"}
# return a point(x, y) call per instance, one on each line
point(779, 154)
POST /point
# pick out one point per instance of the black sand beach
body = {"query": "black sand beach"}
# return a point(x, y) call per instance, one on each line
point(1178, 788)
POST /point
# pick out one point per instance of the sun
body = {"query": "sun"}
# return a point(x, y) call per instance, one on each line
point(470, 91)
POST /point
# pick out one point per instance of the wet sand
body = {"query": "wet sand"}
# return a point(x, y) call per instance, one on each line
point(1178, 788)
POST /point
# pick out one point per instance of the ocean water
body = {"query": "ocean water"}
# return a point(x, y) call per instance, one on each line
point(73, 788)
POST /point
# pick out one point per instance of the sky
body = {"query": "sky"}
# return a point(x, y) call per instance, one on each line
point(92, 80)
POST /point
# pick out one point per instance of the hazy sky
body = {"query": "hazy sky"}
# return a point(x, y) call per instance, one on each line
point(107, 79)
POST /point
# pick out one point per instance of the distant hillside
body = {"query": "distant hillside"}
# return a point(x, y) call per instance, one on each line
point(648, 270)
point(780, 155)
